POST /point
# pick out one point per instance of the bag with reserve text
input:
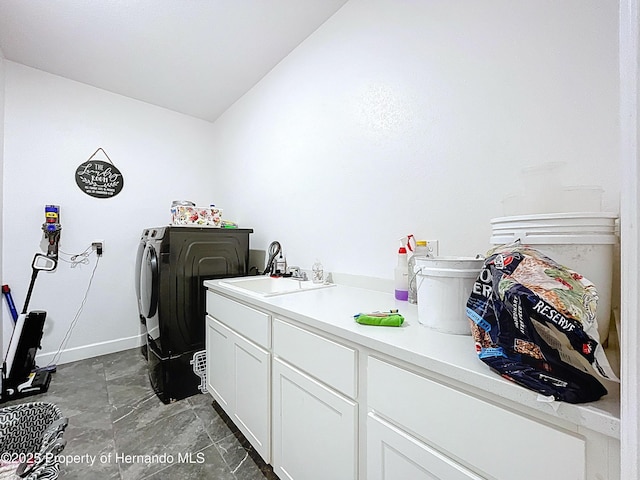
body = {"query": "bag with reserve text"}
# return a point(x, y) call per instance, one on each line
point(534, 322)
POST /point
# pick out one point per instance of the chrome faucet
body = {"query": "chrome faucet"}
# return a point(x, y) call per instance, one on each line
point(298, 274)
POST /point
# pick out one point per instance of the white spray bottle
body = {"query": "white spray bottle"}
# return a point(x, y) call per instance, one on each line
point(401, 272)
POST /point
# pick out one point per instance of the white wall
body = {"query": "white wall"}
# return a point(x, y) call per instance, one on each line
point(52, 126)
point(417, 117)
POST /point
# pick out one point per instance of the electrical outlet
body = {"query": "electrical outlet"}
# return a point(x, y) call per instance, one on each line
point(98, 246)
point(432, 246)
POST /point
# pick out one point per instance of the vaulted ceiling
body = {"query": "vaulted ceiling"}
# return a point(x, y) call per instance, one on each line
point(195, 57)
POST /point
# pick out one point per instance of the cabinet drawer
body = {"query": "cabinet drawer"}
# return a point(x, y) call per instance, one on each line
point(499, 442)
point(251, 323)
point(328, 361)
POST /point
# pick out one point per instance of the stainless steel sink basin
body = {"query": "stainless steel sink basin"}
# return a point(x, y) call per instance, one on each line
point(271, 286)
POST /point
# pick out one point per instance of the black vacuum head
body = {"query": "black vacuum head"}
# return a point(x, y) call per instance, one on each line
point(29, 338)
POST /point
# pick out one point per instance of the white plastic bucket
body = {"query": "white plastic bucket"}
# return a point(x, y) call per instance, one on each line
point(444, 285)
point(583, 242)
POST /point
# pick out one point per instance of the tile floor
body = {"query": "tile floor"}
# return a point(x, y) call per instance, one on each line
point(113, 413)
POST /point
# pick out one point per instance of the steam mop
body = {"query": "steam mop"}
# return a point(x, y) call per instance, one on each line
point(20, 377)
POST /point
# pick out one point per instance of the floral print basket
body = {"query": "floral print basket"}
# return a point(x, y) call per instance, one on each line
point(196, 216)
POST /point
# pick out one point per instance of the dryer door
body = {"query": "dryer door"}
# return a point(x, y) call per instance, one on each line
point(137, 271)
point(149, 288)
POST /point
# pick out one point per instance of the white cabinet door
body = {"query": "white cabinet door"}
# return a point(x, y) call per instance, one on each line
point(392, 454)
point(219, 368)
point(238, 377)
point(314, 428)
point(251, 370)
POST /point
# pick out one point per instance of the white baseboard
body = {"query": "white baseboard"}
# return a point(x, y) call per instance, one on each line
point(90, 351)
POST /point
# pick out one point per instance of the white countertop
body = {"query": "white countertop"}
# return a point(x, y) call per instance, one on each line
point(332, 309)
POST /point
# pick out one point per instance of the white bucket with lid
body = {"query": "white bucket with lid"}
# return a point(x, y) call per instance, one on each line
point(444, 285)
point(583, 242)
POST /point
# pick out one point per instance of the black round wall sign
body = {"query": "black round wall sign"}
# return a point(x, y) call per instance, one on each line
point(99, 179)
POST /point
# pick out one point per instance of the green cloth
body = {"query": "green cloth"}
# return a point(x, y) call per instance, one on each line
point(389, 320)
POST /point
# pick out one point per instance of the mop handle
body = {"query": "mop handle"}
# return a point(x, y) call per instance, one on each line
point(33, 281)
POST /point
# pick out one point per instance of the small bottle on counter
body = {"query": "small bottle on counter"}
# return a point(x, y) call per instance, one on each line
point(421, 251)
point(401, 277)
point(317, 272)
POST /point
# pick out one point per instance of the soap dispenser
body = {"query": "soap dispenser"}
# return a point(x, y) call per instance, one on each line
point(317, 272)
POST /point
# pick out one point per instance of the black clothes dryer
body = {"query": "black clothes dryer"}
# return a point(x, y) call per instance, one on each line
point(174, 263)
